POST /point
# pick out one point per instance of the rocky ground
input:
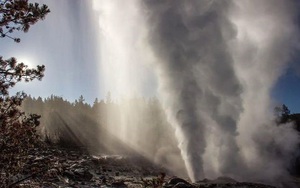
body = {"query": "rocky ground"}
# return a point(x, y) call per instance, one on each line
point(69, 168)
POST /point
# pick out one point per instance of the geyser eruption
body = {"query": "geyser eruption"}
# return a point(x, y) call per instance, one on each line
point(216, 63)
point(122, 58)
point(266, 38)
point(124, 69)
point(198, 79)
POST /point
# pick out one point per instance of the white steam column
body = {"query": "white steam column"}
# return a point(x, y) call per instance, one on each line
point(216, 62)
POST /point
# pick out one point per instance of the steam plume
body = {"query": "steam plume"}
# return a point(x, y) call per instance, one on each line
point(198, 75)
point(216, 61)
point(266, 38)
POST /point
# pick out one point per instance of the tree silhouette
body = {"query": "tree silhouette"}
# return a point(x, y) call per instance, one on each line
point(81, 99)
point(285, 110)
point(282, 113)
point(17, 131)
point(19, 15)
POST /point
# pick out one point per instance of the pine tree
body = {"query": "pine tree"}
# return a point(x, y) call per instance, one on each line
point(19, 15)
point(17, 131)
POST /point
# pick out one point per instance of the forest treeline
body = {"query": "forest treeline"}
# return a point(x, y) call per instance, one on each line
point(130, 125)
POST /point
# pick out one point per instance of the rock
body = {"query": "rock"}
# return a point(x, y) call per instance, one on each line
point(224, 179)
point(119, 184)
point(182, 185)
point(227, 182)
point(69, 174)
point(177, 182)
point(83, 175)
point(75, 169)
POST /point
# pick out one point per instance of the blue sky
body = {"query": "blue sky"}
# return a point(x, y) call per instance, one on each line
point(287, 90)
point(67, 43)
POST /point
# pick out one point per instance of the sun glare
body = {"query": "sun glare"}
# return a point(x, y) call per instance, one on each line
point(29, 61)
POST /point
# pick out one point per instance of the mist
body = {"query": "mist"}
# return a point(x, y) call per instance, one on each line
point(266, 40)
point(218, 61)
point(212, 66)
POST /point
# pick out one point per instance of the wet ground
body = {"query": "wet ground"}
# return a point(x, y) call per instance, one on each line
point(70, 168)
point(53, 167)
